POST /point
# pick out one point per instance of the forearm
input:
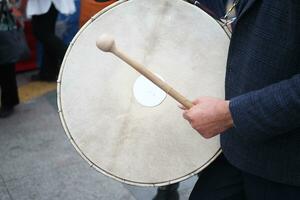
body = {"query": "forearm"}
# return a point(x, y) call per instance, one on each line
point(266, 113)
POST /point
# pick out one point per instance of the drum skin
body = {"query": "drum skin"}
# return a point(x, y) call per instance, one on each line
point(132, 143)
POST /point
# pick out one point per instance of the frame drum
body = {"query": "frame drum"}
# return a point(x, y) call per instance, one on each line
point(116, 134)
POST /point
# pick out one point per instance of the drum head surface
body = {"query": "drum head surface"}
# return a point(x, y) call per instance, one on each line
point(117, 135)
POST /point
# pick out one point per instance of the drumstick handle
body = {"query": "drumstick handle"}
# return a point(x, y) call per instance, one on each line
point(152, 77)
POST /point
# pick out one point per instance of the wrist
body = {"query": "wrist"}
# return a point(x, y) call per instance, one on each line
point(227, 115)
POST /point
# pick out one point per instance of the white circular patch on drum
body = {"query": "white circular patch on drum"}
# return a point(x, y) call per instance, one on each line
point(147, 93)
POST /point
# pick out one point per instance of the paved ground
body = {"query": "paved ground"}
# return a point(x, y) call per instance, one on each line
point(37, 162)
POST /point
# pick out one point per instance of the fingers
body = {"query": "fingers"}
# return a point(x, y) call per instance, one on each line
point(201, 99)
point(195, 102)
point(189, 114)
point(186, 116)
point(181, 107)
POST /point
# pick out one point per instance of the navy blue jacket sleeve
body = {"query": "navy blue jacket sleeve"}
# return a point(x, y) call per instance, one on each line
point(216, 8)
point(263, 114)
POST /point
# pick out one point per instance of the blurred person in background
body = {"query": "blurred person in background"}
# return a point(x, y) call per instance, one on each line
point(44, 14)
point(9, 55)
point(9, 89)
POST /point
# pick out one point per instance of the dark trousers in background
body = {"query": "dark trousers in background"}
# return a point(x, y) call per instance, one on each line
point(8, 84)
point(223, 181)
point(54, 48)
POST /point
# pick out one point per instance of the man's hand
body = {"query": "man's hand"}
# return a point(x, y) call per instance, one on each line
point(209, 116)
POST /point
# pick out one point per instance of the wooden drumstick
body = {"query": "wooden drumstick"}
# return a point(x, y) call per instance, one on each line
point(107, 44)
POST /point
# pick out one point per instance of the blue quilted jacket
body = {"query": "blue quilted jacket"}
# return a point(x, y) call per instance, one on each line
point(263, 86)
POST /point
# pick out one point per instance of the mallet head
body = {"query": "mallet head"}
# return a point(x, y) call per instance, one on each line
point(105, 43)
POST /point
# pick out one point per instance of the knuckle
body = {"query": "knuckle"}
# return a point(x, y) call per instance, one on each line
point(185, 115)
point(189, 118)
point(193, 124)
point(206, 134)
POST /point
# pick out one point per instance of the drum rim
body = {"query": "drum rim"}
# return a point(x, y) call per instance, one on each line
point(69, 135)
